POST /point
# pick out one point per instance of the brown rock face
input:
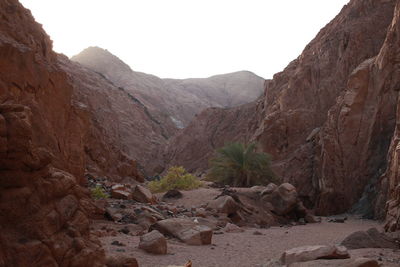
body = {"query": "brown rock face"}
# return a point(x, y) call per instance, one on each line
point(387, 66)
point(43, 209)
point(327, 119)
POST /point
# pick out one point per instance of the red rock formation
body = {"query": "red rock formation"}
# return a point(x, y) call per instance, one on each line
point(327, 119)
point(43, 210)
point(298, 99)
point(387, 79)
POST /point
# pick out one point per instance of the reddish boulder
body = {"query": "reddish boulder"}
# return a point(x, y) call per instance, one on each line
point(185, 230)
point(153, 242)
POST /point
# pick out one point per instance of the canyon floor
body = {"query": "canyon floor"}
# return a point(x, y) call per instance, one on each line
point(252, 247)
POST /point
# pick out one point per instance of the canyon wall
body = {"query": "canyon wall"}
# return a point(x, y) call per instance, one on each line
point(327, 119)
point(44, 212)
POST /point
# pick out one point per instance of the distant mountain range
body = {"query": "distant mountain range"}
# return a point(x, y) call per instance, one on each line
point(176, 100)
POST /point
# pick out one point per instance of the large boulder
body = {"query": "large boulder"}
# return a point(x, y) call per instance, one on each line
point(153, 242)
point(283, 199)
point(185, 230)
point(224, 204)
point(369, 239)
point(309, 253)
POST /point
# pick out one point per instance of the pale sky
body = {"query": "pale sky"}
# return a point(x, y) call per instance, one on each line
point(188, 38)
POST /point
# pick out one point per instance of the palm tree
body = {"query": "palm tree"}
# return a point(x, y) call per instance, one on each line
point(238, 164)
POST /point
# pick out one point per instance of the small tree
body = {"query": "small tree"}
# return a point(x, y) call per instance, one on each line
point(238, 164)
point(176, 178)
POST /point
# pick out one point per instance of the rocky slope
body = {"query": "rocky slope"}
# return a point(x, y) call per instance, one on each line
point(122, 133)
point(174, 101)
point(327, 119)
point(43, 208)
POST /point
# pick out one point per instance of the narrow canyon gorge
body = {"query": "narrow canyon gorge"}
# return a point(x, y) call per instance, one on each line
point(329, 120)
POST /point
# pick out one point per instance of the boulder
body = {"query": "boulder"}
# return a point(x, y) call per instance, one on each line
point(173, 193)
point(121, 261)
point(153, 242)
point(309, 253)
point(143, 195)
point(186, 230)
point(363, 262)
point(232, 228)
point(224, 204)
point(120, 191)
point(369, 239)
point(283, 199)
point(269, 189)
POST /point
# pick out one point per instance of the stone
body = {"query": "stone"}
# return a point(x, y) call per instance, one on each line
point(120, 191)
point(369, 239)
point(309, 218)
point(186, 230)
point(224, 204)
point(362, 262)
point(121, 261)
point(153, 242)
point(269, 189)
point(283, 199)
point(143, 195)
point(173, 193)
point(232, 228)
point(309, 253)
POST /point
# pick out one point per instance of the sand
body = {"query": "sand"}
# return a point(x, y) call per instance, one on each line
point(245, 249)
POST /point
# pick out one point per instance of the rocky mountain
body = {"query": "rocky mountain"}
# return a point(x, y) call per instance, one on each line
point(328, 119)
point(174, 101)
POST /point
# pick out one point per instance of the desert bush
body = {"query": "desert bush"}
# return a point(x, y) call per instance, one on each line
point(176, 178)
point(240, 165)
point(98, 192)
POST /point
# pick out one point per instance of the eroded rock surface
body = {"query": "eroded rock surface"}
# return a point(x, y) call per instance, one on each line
point(44, 210)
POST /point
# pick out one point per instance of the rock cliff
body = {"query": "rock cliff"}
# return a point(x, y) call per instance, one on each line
point(43, 209)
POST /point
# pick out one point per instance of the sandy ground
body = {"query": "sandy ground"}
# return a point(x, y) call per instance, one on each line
point(246, 249)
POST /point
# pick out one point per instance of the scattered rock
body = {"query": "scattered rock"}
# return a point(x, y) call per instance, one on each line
point(153, 242)
point(309, 218)
point(143, 195)
point(232, 228)
point(257, 233)
point(173, 193)
point(120, 191)
point(185, 230)
point(309, 253)
point(337, 220)
point(369, 239)
point(224, 204)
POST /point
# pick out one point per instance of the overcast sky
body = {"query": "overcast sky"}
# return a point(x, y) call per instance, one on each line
point(188, 38)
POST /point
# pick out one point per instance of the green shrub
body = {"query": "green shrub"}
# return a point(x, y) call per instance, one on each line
point(98, 193)
point(238, 164)
point(176, 178)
